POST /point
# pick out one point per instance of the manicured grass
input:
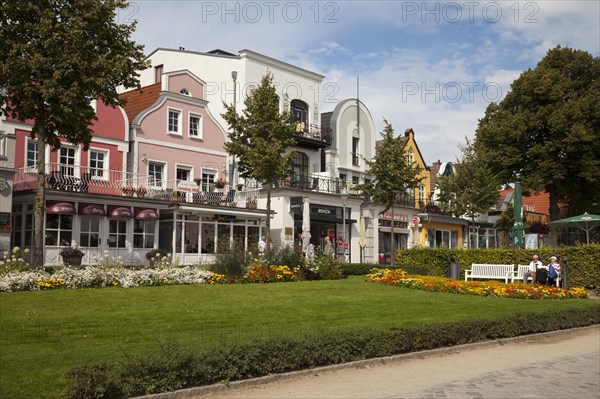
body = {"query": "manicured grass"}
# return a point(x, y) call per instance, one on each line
point(44, 334)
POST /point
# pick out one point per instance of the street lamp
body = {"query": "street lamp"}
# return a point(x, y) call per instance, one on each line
point(234, 77)
point(344, 197)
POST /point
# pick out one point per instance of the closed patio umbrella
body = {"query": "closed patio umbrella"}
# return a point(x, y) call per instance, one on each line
point(518, 229)
point(305, 225)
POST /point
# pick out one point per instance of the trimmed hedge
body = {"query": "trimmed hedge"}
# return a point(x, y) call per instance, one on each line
point(172, 368)
point(583, 260)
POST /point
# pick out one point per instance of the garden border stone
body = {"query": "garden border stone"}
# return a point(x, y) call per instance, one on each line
point(189, 393)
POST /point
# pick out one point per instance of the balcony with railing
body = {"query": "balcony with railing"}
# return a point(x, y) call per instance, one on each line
point(311, 183)
point(312, 136)
point(431, 206)
point(83, 179)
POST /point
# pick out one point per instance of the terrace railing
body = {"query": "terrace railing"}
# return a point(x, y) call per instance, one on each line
point(83, 179)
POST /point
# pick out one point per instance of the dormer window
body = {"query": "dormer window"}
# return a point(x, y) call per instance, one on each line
point(185, 92)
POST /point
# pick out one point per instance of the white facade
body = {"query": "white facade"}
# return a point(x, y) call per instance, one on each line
point(215, 69)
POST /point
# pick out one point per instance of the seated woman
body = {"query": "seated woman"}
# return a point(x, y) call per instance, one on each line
point(553, 270)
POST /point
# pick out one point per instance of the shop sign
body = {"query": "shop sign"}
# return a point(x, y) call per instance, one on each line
point(188, 186)
point(295, 204)
point(397, 216)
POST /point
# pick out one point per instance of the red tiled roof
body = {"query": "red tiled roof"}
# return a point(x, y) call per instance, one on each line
point(538, 203)
point(139, 100)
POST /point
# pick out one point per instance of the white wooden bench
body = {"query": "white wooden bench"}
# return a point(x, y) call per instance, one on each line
point(521, 269)
point(491, 272)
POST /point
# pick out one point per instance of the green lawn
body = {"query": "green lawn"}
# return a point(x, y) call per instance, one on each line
point(44, 334)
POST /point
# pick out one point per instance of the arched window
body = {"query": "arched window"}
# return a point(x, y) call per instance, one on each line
point(299, 110)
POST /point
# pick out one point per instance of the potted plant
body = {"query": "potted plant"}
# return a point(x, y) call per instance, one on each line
point(155, 256)
point(239, 187)
point(220, 182)
point(251, 203)
point(198, 181)
point(71, 256)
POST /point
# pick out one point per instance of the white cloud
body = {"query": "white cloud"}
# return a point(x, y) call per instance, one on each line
point(410, 70)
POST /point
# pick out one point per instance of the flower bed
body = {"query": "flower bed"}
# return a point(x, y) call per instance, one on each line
point(400, 278)
point(101, 276)
point(258, 273)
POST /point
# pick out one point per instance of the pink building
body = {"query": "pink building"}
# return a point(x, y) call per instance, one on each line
point(150, 179)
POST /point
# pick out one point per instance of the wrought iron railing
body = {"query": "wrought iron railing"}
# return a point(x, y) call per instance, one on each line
point(76, 178)
point(314, 132)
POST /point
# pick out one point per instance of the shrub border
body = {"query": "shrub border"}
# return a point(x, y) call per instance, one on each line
point(251, 360)
point(394, 359)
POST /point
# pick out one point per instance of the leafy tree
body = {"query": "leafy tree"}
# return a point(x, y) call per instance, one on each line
point(393, 176)
point(54, 57)
point(546, 131)
point(473, 189)
point(260, 138)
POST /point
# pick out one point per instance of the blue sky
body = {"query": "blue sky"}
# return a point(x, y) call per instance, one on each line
point(432, 66)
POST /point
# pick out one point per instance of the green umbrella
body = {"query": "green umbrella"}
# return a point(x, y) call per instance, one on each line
point(585, 222)
point(518, 229)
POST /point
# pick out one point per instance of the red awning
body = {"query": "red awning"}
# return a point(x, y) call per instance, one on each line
point(146, 213)
point(119, 211)
point(61, 208)
point(92, 210)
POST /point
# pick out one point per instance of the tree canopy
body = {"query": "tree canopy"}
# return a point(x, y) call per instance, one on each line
point(392, 173)
point(260, 137)
point(546, 132)
point(393, 176)
point(55, 57)
point(473, 189)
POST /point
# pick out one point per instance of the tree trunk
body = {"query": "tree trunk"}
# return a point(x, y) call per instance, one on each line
point(40, 196)
point(392, 237)
point(554, 209)
point(268, 221)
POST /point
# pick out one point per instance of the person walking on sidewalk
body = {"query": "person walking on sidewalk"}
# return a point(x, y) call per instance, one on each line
point(534, 265)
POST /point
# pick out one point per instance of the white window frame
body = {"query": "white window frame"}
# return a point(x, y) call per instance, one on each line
point(410, 157)
point(179, 121)
point(422, 192)
point(76, 160)
point(200, 133)
point(163, 180)
point(145, 233)
point(34, 166)
point(105, 163)
point(206, 185)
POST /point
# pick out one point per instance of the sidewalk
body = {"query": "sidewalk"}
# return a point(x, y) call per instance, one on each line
point(564, 364)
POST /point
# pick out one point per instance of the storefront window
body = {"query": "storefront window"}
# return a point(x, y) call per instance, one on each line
point(117, 233)
point(144, 232)
point(90, 232)
point(442, 238)
point(208, 238)
point(59, 230)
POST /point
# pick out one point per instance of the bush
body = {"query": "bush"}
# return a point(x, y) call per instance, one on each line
point(286, 256)
point(14, 261)
point(328, 268)
point(172, 368)
point(156, 253)
point(230, 259)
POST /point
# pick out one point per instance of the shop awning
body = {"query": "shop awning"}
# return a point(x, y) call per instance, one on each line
point(119, 211)
point(146, 214)
point(61, 208)
point(92, 210)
